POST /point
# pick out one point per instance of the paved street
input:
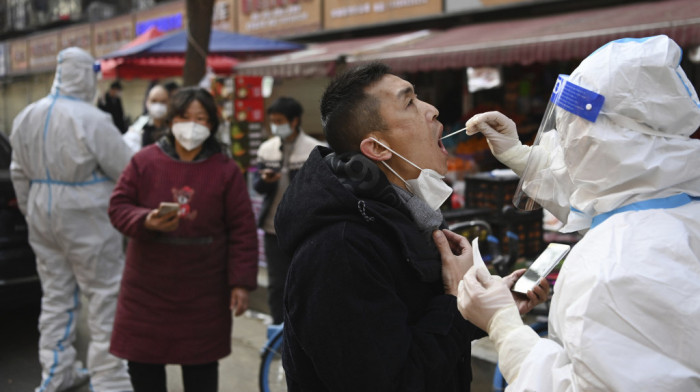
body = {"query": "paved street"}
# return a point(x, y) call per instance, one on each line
point(20, 371)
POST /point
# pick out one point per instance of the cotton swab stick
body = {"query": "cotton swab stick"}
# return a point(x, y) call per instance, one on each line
point(453, 133)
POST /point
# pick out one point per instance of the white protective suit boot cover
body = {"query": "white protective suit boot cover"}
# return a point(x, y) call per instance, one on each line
point(67, 155)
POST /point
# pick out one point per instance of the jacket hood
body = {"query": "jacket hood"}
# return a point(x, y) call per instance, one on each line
point(75, 76)
point(331, 189)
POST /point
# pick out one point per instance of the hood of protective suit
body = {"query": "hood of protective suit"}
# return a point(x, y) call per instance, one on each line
point(639, 146)
point(75, 76)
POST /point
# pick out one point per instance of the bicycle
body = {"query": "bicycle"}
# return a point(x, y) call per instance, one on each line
point(271, 377)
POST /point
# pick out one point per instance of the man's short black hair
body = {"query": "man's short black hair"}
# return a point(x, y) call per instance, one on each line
point(348, 113)
point(288, 107)
point(116, 85)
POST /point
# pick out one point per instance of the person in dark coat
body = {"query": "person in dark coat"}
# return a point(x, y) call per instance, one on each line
point(111, 103)
point(370, 300)
point(186, 270)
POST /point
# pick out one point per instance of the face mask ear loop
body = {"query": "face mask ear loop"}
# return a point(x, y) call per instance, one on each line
point(396, 174)
point(399, 155)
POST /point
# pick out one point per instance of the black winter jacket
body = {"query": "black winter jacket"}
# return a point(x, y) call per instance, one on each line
point(365, 308)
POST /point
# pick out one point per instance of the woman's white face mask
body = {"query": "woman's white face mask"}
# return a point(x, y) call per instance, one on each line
point(429, 186)
point(157, 110)
point(190, 134)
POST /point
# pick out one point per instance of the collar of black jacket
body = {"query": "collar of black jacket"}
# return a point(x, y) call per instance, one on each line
point(363, 178)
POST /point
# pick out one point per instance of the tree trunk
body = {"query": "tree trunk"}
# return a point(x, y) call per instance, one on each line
point(199, 13)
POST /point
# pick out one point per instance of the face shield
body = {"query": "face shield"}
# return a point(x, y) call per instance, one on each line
point(538, 180)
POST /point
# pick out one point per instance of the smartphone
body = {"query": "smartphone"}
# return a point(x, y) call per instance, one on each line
point(541, 267)
point(165, 208)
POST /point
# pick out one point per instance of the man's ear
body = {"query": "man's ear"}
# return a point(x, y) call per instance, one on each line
point(374, 150)
point(294, 124)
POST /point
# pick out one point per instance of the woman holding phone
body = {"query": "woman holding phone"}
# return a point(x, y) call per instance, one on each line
point(186, 268)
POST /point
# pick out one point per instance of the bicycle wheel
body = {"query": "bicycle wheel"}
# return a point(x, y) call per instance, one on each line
point(272, 378)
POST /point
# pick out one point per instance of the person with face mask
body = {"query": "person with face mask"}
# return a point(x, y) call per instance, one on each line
point(279, 159)
point(369, 303)
point(150, 127)
point(188, 267)
point(615, 161)
point(66, 157)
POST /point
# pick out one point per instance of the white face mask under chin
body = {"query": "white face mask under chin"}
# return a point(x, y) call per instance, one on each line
point(429, 185)
point(190, 134)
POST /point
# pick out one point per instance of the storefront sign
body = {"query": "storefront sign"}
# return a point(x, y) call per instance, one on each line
point(19, 56)
point(4, 59)
point(350, 13)
point(275, 18)
point(43, 50)
point(110, 35)
point(80, 36)
point(223, 16)
point(464, 5)
point(167, 17)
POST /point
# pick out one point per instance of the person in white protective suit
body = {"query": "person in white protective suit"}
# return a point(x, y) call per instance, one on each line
point(66, 157)
point(625, 315)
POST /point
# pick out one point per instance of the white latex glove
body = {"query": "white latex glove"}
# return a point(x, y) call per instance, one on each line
point(480, 296)
point(502, 137)
point(500, 131)
point(487, 302)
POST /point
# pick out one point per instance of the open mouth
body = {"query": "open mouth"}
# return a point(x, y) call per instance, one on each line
point(439, 143)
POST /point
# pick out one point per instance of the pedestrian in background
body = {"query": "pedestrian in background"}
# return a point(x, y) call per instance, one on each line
point(66, 156)
point(111, 103)
point(186, 269)
point(150, 127)
point(279, 159)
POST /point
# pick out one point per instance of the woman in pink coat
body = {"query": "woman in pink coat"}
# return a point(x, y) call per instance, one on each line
point(187, 269)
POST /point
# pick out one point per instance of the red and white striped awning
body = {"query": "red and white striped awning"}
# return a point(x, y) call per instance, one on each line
point(542, 39)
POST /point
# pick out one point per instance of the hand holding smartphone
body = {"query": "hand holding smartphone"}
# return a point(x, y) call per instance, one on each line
point(541, 267)
point(166, 207)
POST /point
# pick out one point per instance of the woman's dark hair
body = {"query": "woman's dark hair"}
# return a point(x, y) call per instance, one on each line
point(348, 113)
point(290, 108)
point(181, 100)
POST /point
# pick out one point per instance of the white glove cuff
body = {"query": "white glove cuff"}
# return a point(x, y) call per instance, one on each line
point(515, 158)
point(513, 340)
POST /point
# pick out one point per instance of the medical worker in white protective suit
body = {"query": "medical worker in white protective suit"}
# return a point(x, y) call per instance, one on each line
point(66, 157)
point(625, 315)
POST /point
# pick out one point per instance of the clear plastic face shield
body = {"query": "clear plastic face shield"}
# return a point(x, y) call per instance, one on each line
point(534, 184)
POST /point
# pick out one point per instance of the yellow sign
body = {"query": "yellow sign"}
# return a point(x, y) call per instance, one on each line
point(80, 36)
point(43, 50)
point(276, 18)
point(112, 34)
point(19, 56)
point(350, 13)
point(223, 17)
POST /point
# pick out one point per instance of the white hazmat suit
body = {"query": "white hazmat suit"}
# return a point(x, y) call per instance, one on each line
point(66, 157)
point(625, 315)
